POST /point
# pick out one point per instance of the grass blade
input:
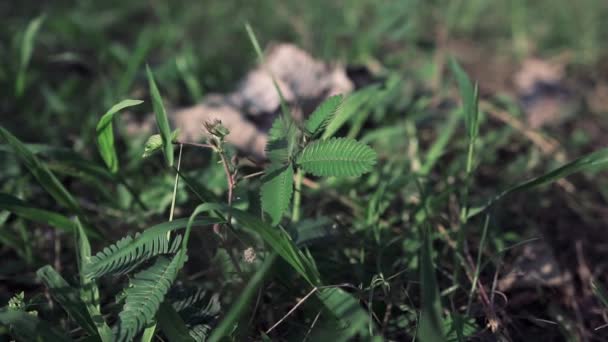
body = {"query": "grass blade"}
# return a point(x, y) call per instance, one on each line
point(352, 319)
point(340, 303)
point(145, 41)
point(187, 72)
point(239, 307)
point(105, 134)
point(89, 292)
point(439, 146)
point(67, 297)
point(161, 118)
point(27, 47)
point(469, 95)
point(430, 328)
point(172, 325)
point(594, 161)
point(277, 239)
point(24, 210)
point(284, 108)
point(347, 110)
point(309, 231)
point(40, 171)
point(283, 132)
point(600, 292)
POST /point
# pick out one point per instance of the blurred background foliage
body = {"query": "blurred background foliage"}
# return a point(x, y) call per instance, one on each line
point(89, 54)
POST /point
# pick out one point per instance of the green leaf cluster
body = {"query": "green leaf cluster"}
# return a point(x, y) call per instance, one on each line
point(292, 147)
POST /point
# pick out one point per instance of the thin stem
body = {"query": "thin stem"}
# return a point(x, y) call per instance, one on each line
point(230, 179)
point(179, 163)
point(297, 196)
point(193, 144)
point(482, 243)
point(464, 213)
point(300, 302)
point(150, 330)
point(312, 325)
point(252, 175)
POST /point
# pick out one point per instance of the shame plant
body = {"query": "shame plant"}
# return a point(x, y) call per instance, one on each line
point(296, 149)
point(153, 258)
point(146, 266)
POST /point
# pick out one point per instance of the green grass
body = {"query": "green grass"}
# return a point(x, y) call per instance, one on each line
point(385, 215)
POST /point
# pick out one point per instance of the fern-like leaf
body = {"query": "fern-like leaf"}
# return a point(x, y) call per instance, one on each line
point(276, 192)
point(200, 332)
point(128, 253)
point(321, 116)
point(198, 308)
point(145, 294)
point(281, 140)
point(337, 157)
point(195, 303)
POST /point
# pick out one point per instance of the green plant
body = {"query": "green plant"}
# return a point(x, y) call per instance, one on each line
point(411, 250)
point(154, 257)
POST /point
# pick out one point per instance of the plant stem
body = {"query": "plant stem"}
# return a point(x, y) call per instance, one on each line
point(179, 162)
point(193, 144)
point(464, 212)
point(297, 196)
point(482, 243)
point(148, 333)
point(230, 179)
point(255, 174)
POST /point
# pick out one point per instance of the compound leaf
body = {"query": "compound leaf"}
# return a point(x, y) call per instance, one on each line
point(337, 157)
point(277, 191)
point(145, 294)
point(320, 117)
point(281, 140)
point(130, 252)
